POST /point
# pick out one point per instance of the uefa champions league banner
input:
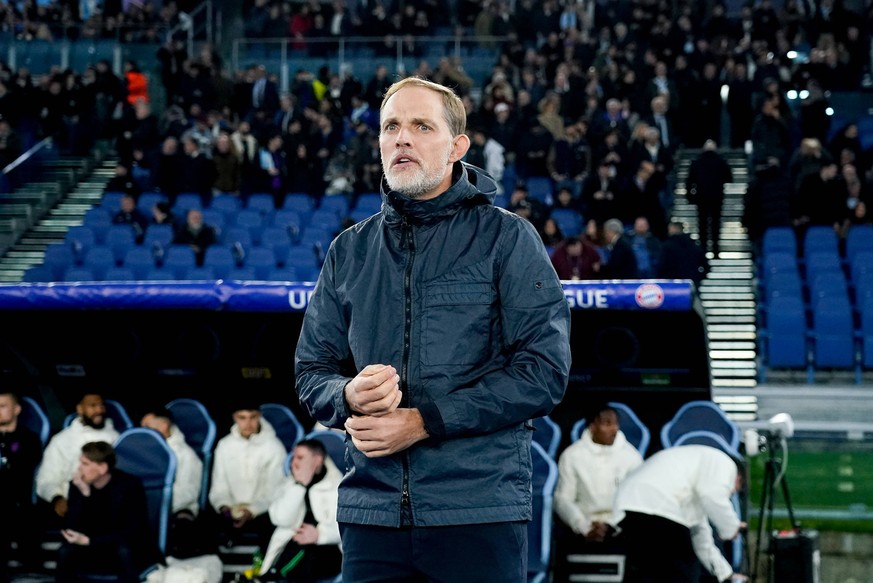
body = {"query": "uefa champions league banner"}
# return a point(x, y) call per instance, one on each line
point(237, 296)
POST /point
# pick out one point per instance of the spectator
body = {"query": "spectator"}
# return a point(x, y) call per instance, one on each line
point(129, 214)
point(106, 529)
point(246, 475)
point(487, 154)
point(647, 249)
point(196, 234)
point(185, 538)
point(820, 200)
point(162, 214)
point(10, 144)
point(707, 176)
point(274, 168)
point(767, 202)
point(681, 256)
point(551, 235)
point(575, 259)
point(122, 181)
point(640, 197)
point(524, 206)
point(621, 262)
point(62, 453)
point(247, 148)
point(20, 454)
point(228, 166)
point(304, 513)
point(676, 493)
point(196, 171)
point(600, 193)
point(589, 471)
point(169, 166)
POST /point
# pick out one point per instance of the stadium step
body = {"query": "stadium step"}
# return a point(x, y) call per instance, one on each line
point(40, 213)
point(727, 294)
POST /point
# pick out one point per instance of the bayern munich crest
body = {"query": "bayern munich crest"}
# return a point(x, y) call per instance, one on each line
point(649, 295)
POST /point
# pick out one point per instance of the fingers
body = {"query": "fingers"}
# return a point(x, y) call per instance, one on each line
point(374, 391)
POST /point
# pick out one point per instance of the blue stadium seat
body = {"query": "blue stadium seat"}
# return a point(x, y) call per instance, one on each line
point(317, 237)
point(34, 418)
point(227, 204)
point(539, 529)
point(282, 274)
point(858, 239)
point(119, 274)
point(277, 240)
point(370, 202)
point(79, 239)
point(262, 260)
point(99, 259)
point(38, 274)
point(178, 259)
point(866, 332)
point(700, 415)
point(160, 274)
point(335, 444)
point(140, 260)
point(220, 259)
point(242, 274)
point(326, 219)
point(301, 203)
point(358, 215)
point(186, 201)
point(820, 238)
point(569, 221)
point(241, 236)
point(198, 426)
point(779, 239)
point(58, 258)
point(337, 203)
point(822, 262)
point(99, 221)
point(288, 429)
point(161, 235)
point(120, 238)
point(547, 433)
point(784, 335)
point(111, 202)
point(115, 411)
point(262, 202)
point(635, 431)
point(77, 273)
point(254, 221)
point(541, 188)
point(147, 201)
point(202, 273)
point(833, 335)
point(862, 263)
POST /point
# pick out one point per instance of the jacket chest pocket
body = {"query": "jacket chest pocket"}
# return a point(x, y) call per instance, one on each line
point(457, 324)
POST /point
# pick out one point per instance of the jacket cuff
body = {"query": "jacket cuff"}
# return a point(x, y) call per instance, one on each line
point(433, 420)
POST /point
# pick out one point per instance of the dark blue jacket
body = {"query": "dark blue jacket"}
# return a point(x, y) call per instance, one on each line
point(460, 297)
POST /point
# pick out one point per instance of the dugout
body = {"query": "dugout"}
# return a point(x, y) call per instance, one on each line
point(639, 342)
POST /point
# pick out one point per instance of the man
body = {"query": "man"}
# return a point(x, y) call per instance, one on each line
point(196, 234)
point(663, 511)
point(589, 471)
point(681, 256)
point(707, 176)
point(62, 453)
point(185, 535)
point(437, 329)
point(305, 545)
point(107, 528)
point(621, 262)
point(246, 473)
point(20, 454)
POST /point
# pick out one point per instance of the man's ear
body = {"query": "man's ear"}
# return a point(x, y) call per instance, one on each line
point(460, 145)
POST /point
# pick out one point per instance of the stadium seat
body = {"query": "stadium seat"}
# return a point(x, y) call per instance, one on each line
point(186, 201)
point(569, 221)
point(227, 205)
point(239, 237)
point(78, 273)
point(79, 239)
point(700, 415)
point(370, 202)
point(337, 203)
point(547, 433)
point(198, 426)
point(178, 259)
point(325, 219)
point(859, 238)
point(866, 332)
point(242, 274)
point(38, 274)
point(833, 335)
point(318, 238)
point(282, 274)
point(335, 444)
point(217, 220)
point(779, 239)
point(99, 259)
point(539, 529)
point(820, 238)
point(201, 273)
point(254, 221)
point(818, 262)
point(161, 235)
point(98, 220)
point(262, 260)
point(34, 418)
point(261, 202)
point(277, 240)
point(140, 260)
point(301, 203)
point(120, 238)
point(147, 201)
point(111, 202)
point(635, 431)
point(220, 259)
point(58, 258)
point(160, 274)
point(541, 188)
point(288, 429)
point(115, 411)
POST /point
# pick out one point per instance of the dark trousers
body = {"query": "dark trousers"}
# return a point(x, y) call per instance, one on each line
point(474, 553)
point(19, 524)
point(658, 550)
point(709, 223)
point(76, 560)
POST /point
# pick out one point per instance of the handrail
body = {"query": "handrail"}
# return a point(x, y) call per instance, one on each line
point(44, 143)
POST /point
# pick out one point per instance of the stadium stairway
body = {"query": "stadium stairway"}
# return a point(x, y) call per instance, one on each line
point(70, 186)
point(727, 294)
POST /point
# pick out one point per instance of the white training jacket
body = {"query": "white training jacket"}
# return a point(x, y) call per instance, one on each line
point(61, 457)
point(588, 475)
point(247, 471)
point(189, 473)
point(289, 508)
point(691, 485)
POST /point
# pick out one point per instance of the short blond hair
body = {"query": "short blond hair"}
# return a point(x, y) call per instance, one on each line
point(455, 113)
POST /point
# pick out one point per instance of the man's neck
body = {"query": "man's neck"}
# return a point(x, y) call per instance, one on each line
point(9, 426)
point(102, 481)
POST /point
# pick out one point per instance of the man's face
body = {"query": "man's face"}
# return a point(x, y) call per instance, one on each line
point(604, 428)
point(91, 471)
point(305, 460)
point(92, 411)
point(9, 410)
point(248, 422)
point(159, 424)
point(416, 145)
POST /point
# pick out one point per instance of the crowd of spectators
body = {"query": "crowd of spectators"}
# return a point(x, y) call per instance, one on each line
point(595, 98)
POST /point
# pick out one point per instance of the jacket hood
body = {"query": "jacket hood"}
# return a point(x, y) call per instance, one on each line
point(267, 433)
point(471, 186)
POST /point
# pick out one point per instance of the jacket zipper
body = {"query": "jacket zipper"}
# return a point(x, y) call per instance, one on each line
point(405, 502)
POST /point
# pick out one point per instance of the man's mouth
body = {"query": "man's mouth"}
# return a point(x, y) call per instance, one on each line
point(403, 160)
